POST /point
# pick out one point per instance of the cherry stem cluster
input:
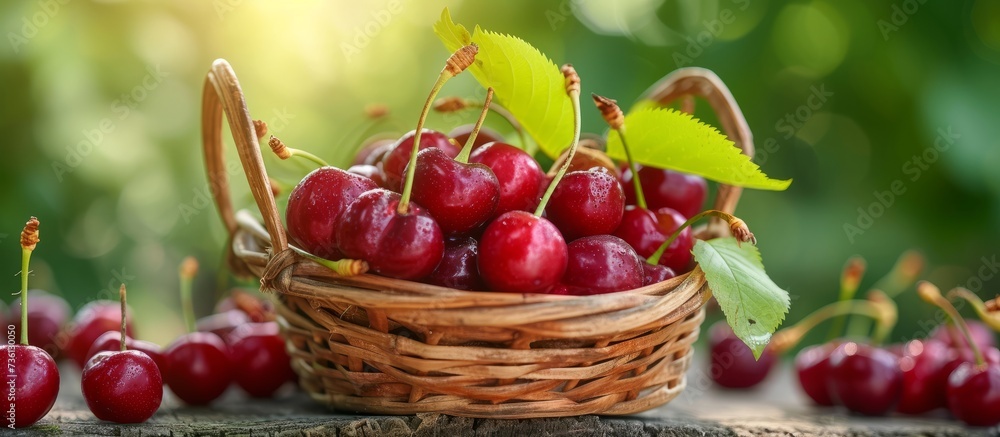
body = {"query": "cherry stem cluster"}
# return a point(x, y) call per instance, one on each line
point(463, 156)
point(932, 295)
point(991, 318)
point(884, 316)
point(850, 280)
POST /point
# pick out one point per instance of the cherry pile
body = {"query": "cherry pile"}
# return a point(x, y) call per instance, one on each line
point(485, 216)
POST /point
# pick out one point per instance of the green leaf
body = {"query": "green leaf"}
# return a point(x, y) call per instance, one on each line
point(671, 139)
point(754, 306)
point(524, 81)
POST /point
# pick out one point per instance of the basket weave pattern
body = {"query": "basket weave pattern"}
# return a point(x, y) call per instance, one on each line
point(379, 345)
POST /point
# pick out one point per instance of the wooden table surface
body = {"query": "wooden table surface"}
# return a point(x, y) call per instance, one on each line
point(777, 408)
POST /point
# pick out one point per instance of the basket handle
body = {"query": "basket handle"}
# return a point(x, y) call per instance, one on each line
point(222, 93)
point(694, 81)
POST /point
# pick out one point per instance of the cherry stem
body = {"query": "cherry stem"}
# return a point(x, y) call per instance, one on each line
point(284, 152)
point(640, 199)
point(850, 280)
point(463, 156)
point(25, 257)
point(991, 319)
point(573, 90)
point(734, 223)
point(343, 267)
point(932, 295)
point(903, 274)
point(788, 337)
point(189, 268)
point(121, 298)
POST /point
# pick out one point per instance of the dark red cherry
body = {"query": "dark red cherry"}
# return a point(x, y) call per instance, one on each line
point(522, 253)
point(586, 203)
point(403, 246)
point(35, 384)
point(316, 204)
point(122, 386)
point(373, 151)
point(111, 342)
point(981, 334)
point(521, 178)
point(458, 268)
point(369, 171)
point(732, 362)
point(646, 230)
point(94, 319)
point(602, 264)
point(223, 323)
point(460, 197)
point(394, 163)
point(461, 135)
point(864, 379)
point(921, 362)
point(812, 365)
point(261, 363)
point(681, 192)
point(199, 368)
point(956, 356)
point(47, 315)
point(655, 273)
point(974, 394)
point(255, 307)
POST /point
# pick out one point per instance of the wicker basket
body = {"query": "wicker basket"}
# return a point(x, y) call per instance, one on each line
point(371, 344)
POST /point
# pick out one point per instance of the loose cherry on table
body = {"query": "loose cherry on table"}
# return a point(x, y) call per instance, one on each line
point(812, 366)
point(864, 378)
point(601, 264)
point(47, 315)
point(94, 319)
point(36, 377)
point(123, 386)
point(111, 341)
point(458, 268)
point(922, 362)
point(681, 192)
point(586, 203)
point(519, 175)
point(316, 205)
point(261, 363)
point(732, 362)
point(973, 393)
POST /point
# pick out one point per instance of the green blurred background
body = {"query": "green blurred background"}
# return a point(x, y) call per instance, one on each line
point(127, 203)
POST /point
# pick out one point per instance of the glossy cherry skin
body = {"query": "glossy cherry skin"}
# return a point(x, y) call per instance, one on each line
point(586, 203)
point(923, 387)
point(460, 197)
point(111, 342)
point(47, 315)
point(957, 356)
point(122, 386)
point(461, 135)
point(601, 264)
point(36, 384)
point(812, 365)
point(402, 246)
point(974, 394)
point(458, 268)
point(865, 379)
point(646, 230)
point(681, 192)
point(655, 273)
point(522, 253)
point(369, 171)
point(981, 334)
point(94, 319)
point(521, 178)
point(732, 362)
point(199, 368)
point(394, 163)
point(316, 204)
point(222, 323)
point(372, 151)
point(260, 362)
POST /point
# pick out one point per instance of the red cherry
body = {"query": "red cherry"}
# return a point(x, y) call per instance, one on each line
point(255, 307)
point(981, 334)
point(316, 204)
point(199, 368)
point(732, 362)
point(223, 323)
point(655, 273)
point(261, 363)
point(956, 356)
point(122, 386)
point(47, 315)
point(812, 365)
point(646, 230)
point(111, 342)
point(921, 362)
point(681, 192)
point(864, 379)
point(586, 203)
point(458, 267)
point(94, 319)
point(522, 253)
point(520, 177)
point(602, 264)
point(402, 246)
point(372, 152)
point(369, 171)
point(394, 163)
point(460, 197)
point(974, 394)
point(461, 135)
point(35, 384)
